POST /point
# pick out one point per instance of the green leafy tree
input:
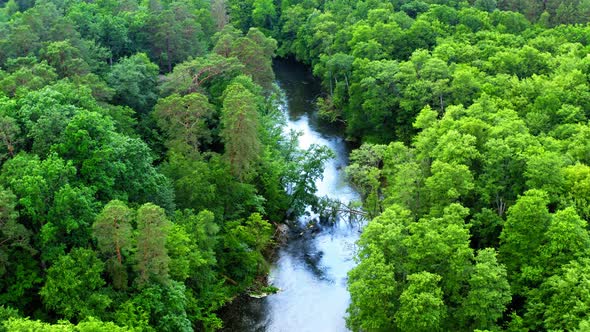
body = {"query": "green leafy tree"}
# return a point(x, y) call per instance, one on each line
point(243, 243)
point(73, 286)
point(88, 325)
point(365, 174)
point(522, 236)
point(25, 74)
point(303, 170)
point(65, 58)
point(9, 136)
point(116, 165)
point(372, 97)
point(175, 35)
point(374, 294)
point(13, 235)
point(264, 13)
point(448, 183)
point(34, 182)
point(441, 246)
point(194, 75)
point(405, 178)
point(254, 51)
point(157, 307)
point(421, 304)
point(487, 5)
point(578, 188)
point(489, 292)
point(560, 302)
point(69, 221)
point(135, 80)
point(219, 13)
point(566, 239)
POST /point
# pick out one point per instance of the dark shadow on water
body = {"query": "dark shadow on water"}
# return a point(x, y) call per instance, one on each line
point(244, 314)
point(305, 253)
point(303, 90)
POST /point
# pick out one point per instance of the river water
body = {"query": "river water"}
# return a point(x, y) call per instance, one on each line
point(311, 270)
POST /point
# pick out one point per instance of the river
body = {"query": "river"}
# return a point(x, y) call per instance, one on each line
point(311, 270)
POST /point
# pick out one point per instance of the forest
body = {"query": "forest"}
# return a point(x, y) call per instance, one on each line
point(144, 165)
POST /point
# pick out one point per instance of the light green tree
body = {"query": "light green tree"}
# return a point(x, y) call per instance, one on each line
point(421, 304)
point(489, 292)
point(73, 286)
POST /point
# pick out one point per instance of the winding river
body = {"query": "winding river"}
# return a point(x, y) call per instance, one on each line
point(311, 270)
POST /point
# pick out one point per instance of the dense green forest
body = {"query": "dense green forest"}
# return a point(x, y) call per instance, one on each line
point(144, 164)
point(474, 158)
point(473, 119)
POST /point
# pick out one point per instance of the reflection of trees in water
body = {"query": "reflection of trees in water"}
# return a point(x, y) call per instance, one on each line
point(331, 210)
point(245, 314)
point(305, 253)
point(303, 247)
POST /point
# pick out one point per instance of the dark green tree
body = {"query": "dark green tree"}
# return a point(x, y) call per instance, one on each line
point(135, 80)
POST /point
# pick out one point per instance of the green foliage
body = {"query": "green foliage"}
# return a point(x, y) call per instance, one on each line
point(457, 103)
point(264, 13)
point(374, 294)
point(489, 291)
point(240, 121)
point(366, 175)
point(73, 286)
point(97, 150)
point(193, 75)
point(475, 121)
point(68, 221)
point(523, 233)
point(156, 307)
point(14, 236)
point(304, 168)
point(34, 182)
point(423, 276)
point(113, 233)
point(244, 243)
point(175, 34)
point(135, 81)
point(89, 325)
point(151, 256)
point(421, 304)
point(65, 58)
point(559, 302)
point(186, 121)
point(22, 77)
point(255, 51)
